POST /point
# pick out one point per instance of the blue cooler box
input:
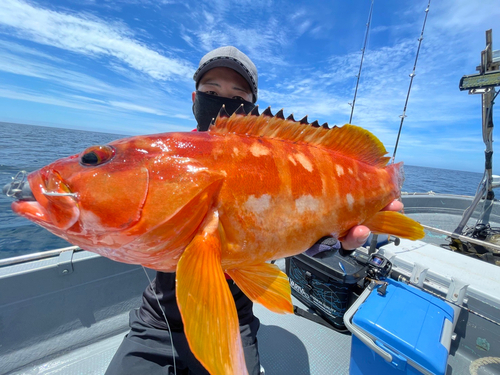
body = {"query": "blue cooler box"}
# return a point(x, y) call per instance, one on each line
point(405, 331)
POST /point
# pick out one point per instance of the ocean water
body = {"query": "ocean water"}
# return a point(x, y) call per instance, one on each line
point(27, 147)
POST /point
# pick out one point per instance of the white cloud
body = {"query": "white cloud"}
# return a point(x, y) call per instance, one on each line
point(90, 36)
point(30, 66)
point(260, 35)
point(58, 84)
point(136, 108)
point(34, 96)
point(465, 16)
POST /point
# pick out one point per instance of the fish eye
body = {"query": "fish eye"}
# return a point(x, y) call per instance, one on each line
point(97, 155)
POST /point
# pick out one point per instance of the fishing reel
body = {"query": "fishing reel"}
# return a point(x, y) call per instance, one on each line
point(379, 267)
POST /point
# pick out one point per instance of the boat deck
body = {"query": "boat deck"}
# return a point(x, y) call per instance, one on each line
point(304, 348)
point(288, 344)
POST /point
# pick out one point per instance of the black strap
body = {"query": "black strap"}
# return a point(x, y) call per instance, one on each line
point(317, 319)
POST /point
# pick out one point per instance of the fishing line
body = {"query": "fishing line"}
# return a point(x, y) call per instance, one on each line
point(164, 316)
point(412, 75)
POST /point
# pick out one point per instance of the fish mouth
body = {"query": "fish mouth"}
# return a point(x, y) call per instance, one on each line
point(45, 199)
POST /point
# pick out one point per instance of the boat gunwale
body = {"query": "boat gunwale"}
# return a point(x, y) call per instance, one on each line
point(37, 256)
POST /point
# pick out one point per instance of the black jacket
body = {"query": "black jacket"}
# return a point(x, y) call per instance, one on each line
point(164, 287)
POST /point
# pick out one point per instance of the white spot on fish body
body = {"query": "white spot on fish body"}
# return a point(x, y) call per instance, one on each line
point(162, 146)
point(350, 200)
point(216, 152)
point(193, 169)
point(351, 172)
point(340, 170)
point(306, 203)
point(258, 149)
point(304, 161)
point(236, 151)
point(290, 157)
point(258, 205)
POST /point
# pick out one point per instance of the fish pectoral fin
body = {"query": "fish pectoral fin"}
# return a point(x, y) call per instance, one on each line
point(265, 284)
point(395, 223)
point(206, 304)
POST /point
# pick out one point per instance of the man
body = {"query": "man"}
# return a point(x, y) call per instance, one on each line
point(226, 77)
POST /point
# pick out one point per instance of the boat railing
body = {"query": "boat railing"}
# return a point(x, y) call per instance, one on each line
point(37, 256)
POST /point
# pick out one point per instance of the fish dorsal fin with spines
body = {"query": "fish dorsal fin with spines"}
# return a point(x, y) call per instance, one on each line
point(348, 140)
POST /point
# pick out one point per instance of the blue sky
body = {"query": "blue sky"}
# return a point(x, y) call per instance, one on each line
point(126, 66)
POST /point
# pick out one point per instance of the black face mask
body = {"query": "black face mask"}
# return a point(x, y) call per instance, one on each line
point(206, 107)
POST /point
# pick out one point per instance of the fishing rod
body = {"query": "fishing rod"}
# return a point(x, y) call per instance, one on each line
point(361, 63)
point(374, 240)
point(412, 75)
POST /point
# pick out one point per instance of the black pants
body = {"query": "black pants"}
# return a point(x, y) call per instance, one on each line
point(148, 350)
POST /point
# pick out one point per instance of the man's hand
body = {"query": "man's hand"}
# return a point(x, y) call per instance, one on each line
point(358, 235)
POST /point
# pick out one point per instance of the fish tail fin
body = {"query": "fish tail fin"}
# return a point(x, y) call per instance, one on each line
point(395, 223)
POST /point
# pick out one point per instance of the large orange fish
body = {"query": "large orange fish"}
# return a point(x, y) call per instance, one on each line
point(251, 189)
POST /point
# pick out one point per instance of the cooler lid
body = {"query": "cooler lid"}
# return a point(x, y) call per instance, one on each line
point(409, 321)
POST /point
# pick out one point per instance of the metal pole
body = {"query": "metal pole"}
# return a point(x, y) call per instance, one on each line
point(487, 101)
point(486, 188)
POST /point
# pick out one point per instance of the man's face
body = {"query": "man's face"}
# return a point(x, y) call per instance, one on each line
point(224, 82)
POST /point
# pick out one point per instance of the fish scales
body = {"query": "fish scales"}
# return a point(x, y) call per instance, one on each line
point(281, 198)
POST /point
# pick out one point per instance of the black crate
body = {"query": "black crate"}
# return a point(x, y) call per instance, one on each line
point(322, 285)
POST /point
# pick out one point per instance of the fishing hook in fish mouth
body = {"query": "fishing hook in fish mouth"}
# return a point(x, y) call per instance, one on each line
point(55, 194)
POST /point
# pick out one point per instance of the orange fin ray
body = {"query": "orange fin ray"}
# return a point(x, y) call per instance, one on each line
point(349, 140)
point(206, 304)
point(395, 223)
point(265, 284)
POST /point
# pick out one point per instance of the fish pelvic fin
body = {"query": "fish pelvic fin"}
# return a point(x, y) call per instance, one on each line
point(395, 223)
point(265, 284)
point(349, 140)
point(206, 304)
